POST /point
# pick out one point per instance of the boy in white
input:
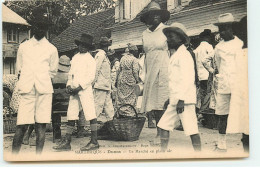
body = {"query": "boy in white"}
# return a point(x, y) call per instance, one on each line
point(182, 88)
point(79, 86)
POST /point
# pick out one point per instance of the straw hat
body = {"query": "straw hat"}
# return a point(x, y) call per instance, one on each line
point(86, 40)
point(226, 18)
point(64, 64)
point(179, 29)
point(154, 8)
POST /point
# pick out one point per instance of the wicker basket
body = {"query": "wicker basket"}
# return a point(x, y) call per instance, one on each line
point(9, 120)
point(126, 128)
point(211, 120)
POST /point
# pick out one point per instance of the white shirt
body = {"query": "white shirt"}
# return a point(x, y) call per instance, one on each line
point(82, 71)
point(182, 77)
point(37, 62)
point(203, 51)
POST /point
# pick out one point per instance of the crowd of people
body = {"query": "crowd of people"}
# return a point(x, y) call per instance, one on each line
point(168, 75)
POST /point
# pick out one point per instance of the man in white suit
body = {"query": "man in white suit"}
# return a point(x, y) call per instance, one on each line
point(37, 64)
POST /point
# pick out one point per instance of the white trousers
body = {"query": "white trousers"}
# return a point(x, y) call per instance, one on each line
point(83, 100)
point(34, 107)
point(188, 118)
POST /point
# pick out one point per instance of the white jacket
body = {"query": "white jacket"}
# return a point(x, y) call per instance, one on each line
point(82, 71)
point(226, 53)
point(37, 62)
point(182, 77)
point(203, 51)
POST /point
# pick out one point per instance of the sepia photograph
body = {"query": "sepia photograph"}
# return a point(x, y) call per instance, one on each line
point(124, 80)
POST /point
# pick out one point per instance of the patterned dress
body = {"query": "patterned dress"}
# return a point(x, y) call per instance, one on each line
point(128, 77)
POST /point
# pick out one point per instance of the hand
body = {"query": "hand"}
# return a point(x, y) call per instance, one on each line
point(166, 104)
point(180, 107)
point(69, 89)
point(76, 90)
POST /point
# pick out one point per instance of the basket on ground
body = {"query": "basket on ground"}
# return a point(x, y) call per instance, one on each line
point(124, 128)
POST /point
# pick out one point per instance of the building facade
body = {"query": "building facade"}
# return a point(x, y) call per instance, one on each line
point(15, 30)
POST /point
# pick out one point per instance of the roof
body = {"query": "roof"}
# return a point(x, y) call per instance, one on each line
point(9, 16)
point(93, 24)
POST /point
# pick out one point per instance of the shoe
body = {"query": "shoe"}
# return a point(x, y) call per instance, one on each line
point(90, 146)
point(64, 145)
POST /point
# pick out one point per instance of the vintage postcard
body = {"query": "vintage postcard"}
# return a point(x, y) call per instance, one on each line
point(125, 80)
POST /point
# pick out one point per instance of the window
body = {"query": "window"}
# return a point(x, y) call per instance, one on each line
point(12, 36)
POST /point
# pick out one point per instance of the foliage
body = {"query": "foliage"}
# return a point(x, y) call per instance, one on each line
point(60, 13)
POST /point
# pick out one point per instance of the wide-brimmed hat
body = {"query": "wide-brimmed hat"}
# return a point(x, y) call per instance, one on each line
point(205, 33)
point(104, 41)
point(111, 52)
point(86, 40)
point(226, 18)
point(64, 64)
point(179, 29)
point(154, 8)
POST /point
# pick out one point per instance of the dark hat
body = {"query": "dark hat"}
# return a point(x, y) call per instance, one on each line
point(154, 8)
point(86, 40)
point(205, 33)
point(104, 41)
point(111, 52)
point(180, 30)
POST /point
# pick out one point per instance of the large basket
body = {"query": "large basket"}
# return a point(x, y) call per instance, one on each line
point(211, 120)
point(126, 128)
point(9, 120)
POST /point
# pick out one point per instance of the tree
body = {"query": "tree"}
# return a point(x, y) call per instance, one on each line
point(60, 13)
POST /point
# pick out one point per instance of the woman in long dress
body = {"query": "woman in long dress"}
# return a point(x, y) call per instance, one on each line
point(128, 77)
point(156, 91)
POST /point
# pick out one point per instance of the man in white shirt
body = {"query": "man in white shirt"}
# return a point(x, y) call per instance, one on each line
point(79, 86)
point(227, 54)
point(182, 88)
point(202, 52)
point(37, 63)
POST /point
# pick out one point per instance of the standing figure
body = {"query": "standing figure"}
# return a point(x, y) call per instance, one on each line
point(202, 52)
point(128, 77)
point(155, 91)
point(182, 86)
point(37, 64)
point(227, 54)
point(102, 82)
point(79, 86)
point(115, 64)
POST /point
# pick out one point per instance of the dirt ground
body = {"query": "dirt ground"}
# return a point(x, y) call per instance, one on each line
point(146, 147)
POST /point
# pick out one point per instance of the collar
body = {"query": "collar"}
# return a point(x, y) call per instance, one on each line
point(35, 41)
point(158, 27)
point(179, 51)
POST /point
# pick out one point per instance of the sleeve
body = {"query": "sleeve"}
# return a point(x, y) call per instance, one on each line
point(187, 73)
point(206, 61)
point(136, 69)
point(19, 61)
point(87, 75)
point(69, 82)
point(54, 62)
point(99, 60)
